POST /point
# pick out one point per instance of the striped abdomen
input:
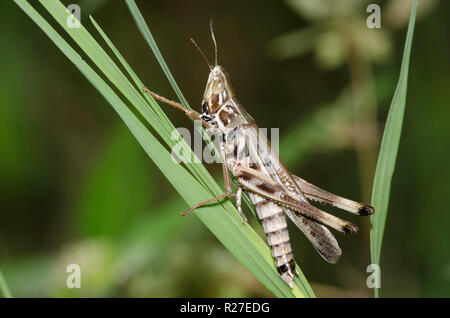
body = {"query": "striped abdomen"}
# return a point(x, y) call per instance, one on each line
point(274, 223)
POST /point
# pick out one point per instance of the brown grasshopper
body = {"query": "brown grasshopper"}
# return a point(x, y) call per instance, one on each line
point(272, 189)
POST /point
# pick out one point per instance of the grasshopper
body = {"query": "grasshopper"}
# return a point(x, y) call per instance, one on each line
point(273, 190)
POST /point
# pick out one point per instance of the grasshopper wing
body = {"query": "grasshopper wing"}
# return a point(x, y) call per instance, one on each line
point(320, 237)
point(313, 192)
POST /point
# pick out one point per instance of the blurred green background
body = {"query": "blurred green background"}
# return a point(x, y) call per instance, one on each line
point(77, 188)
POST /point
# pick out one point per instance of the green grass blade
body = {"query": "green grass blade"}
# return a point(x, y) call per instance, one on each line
point(389, 149)
point(222, 219)
point(138, 83)
point(140, 22)
point(4, 287)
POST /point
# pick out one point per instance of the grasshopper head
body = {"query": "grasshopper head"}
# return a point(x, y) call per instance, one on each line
point(219, 105)
point(218, 91)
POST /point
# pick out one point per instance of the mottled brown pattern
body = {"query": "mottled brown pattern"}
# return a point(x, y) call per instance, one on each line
point(285, 180)
point(292, 265)
point(288, 199)
point(266, 188)
point(214, 103)
point(245, 176)
point(231, 109)
point(226, 117)
point(262, 203)
point(253, 165)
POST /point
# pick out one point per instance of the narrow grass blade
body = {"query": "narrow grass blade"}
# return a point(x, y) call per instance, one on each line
point(4, 287)
point(222, 219)
point(140, 22)
point(389, 149)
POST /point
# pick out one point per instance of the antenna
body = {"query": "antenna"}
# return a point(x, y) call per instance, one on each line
point(203, 54)
point(214, 40)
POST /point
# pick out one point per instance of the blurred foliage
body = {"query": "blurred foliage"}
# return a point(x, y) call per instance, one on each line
point(334, 35)
point(76, 188)
point(335, 32)
point(117, 190)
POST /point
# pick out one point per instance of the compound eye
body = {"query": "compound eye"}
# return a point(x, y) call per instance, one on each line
point(205, 108)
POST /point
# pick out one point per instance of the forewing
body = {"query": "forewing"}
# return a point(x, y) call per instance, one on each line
point(242, 111)
point(321, 238)
point(315, 193)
